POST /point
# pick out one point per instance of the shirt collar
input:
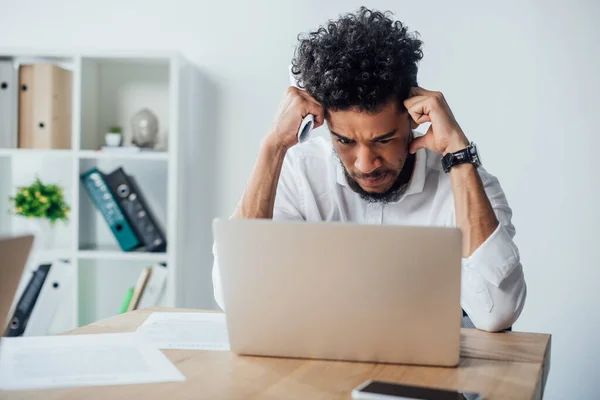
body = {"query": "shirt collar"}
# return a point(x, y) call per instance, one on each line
point(416, 183)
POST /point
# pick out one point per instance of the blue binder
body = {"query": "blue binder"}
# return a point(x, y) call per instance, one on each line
point(136, 210)
point(95, 184)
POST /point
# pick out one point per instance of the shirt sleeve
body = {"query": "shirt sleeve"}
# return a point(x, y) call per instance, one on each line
point(493, 284)
point(288, 206)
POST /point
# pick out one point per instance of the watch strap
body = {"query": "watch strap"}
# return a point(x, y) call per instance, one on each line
point(459, 157)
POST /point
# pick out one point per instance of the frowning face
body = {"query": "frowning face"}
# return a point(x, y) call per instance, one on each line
point(372, 148)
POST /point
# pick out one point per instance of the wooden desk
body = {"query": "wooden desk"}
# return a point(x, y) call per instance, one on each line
point(501, 366)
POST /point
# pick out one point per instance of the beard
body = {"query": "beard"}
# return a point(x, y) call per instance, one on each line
point(393, 193)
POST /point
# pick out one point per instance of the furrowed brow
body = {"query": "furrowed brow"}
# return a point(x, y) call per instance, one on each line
point(340, 136)
point(384, 137)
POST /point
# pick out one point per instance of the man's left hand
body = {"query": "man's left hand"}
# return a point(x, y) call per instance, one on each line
point(444, 135)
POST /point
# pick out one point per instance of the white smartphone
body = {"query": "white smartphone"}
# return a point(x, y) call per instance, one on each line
point(379, 390)
point(305, 127)
point(308, 122)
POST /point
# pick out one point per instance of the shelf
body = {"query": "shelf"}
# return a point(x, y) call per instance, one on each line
point(35, 152)
point(142, 155)
point(112, 55)
point(48, 256)
point(107, 253)
point(87, 154)
point(151, 56)
point(109, 88)
point(112, 253)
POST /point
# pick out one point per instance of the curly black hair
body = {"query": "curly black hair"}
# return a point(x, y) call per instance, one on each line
point(360, 61)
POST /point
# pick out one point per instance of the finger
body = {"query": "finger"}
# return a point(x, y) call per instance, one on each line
point(422, 142)
point(293, 92)
point(419, 91)
point(413, 100)
point(304, 94)
point(305, 103)
point(416, 119)
point(413, 123)
point(419, 111)
point(316, 110)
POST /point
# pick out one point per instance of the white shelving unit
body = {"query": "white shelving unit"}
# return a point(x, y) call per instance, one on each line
point(108, 88)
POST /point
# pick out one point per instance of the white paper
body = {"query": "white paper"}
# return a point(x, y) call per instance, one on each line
point(183, 330)
point(82, 360)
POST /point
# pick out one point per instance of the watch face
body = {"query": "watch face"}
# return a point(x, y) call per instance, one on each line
point(475, 155)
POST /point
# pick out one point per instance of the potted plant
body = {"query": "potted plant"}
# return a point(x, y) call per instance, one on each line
point(43, 205)
point(113, 138)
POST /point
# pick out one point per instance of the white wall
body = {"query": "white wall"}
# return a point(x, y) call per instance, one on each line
point(523, 80)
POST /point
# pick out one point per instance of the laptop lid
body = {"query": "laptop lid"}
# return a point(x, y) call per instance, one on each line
point(14, 252)
point(341, 291)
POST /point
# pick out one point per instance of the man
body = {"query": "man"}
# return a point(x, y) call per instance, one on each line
point(360, 77)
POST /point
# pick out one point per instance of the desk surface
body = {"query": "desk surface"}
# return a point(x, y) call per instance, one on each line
point(503, 366)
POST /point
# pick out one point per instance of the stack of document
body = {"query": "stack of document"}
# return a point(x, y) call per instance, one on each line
point(109, 359)
point(193, 331)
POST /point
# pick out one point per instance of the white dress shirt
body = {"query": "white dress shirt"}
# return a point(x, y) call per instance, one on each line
point(312, 187)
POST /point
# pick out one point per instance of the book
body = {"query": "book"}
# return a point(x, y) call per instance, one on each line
point(155, 287)
point(126, 301)
point(139, 288)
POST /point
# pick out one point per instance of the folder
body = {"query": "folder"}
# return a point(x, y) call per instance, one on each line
point(27, 302)
point(45, 107)
point(95, 184)
point(8, 105)
point(155, 287)
point(139, 288)
point(52, 298)
point(136, 210)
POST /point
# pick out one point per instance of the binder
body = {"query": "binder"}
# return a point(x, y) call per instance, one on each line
point(27, 302)
point(136, 210)
point(95, 185)
point(51, 298)
point(139, 288)
point(45, 107)
point(155, 287)
point(8, 105)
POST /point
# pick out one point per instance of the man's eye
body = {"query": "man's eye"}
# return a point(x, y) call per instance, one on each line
point(384, 141)
point(344, 141)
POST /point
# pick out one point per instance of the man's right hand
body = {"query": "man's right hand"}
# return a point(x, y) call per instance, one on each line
point(295, 105)
point(258, 200)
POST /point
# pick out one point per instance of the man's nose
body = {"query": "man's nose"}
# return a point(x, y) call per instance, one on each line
point(367, 161)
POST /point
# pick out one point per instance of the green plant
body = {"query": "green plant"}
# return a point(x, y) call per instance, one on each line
point(40, 201)
point(115, 129)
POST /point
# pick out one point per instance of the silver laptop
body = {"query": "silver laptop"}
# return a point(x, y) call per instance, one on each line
point(341, 291)
point(14, 252)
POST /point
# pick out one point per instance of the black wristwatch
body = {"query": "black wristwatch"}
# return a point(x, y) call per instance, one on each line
point(467, 155)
